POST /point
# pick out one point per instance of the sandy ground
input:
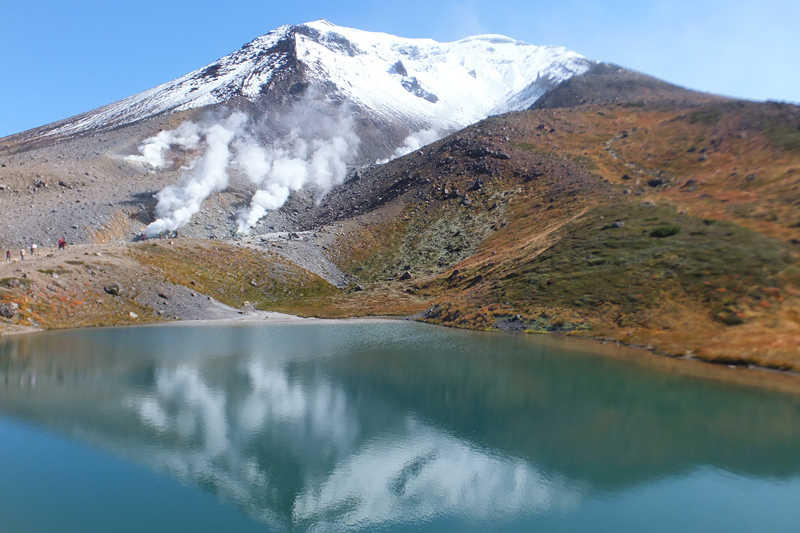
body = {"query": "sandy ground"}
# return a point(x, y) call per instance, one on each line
point(82, 273)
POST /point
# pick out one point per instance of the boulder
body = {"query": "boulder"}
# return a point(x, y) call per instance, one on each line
point(655, 182)
point(477, 151)
point(114, 289)
point(617, 224)
point(406, 275)
point(477, 279)
point(751, 177)
point(9, 309)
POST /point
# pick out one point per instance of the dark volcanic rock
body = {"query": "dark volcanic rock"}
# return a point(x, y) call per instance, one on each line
point(114, 289)
point(400, 68)
point(8, 310)
point(605, 83)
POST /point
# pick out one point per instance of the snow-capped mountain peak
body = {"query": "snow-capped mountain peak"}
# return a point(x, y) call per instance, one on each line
point(421, 82)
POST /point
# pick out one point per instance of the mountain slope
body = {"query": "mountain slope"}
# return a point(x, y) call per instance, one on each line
point(419, 82)
point(605, 83)
point(387, 87)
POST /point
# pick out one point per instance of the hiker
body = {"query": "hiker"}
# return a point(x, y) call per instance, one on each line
point(62, 243)
point(33, 248)
point(8, 255)
point(22, 255)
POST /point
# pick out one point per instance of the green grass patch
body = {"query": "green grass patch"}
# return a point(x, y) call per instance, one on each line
point(783, 134)
point(594, 268)
point(665, 231)
point(235, 275)
point(706, 116)
point(51, 271)
point(13, 283)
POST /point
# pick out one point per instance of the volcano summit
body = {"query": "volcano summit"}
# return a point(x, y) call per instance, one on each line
point(414, 82)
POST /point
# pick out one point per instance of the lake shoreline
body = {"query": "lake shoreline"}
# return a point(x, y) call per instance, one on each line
point(75, 289)
point(761, 377)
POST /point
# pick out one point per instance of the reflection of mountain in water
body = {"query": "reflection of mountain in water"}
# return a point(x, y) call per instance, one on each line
point(348, 425)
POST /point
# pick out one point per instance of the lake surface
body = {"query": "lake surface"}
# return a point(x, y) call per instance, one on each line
point(377, 426)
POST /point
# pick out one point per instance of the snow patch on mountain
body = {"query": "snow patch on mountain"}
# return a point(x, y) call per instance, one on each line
point(439, 85)
point(419, 82)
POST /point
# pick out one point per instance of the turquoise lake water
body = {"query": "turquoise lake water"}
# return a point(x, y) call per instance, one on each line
point(378, 426)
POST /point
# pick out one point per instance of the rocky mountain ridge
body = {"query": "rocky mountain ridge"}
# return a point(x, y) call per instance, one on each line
point(417, 82)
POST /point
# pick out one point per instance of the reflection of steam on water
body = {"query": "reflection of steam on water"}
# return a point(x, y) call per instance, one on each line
point(422, 475)
point(239, 443)
point(314, 154)
point(414, 141)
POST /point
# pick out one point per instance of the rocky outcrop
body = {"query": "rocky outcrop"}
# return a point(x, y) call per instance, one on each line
point(9, 310)
point(114, 289)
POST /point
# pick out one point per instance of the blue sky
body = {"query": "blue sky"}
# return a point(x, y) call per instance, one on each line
point(59, 59)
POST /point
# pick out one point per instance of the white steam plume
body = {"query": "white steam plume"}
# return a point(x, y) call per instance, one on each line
point(176, 205)
point(414, 141)
point(186, 136)
point(313, 154)
point(315, 158)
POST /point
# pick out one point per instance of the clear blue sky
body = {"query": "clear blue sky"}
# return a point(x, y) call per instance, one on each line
point(58, 58)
